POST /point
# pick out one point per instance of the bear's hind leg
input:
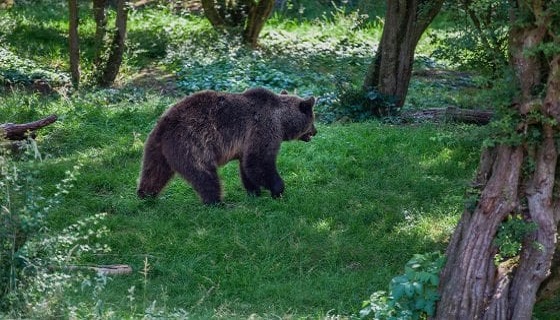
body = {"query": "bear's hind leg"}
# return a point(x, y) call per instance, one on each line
point(252, 188)
point(205, 182)
point(155, 174)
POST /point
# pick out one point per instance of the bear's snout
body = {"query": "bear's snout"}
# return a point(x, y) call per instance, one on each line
point(307, 136)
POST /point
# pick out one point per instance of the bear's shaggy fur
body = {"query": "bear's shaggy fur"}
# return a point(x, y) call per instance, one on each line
point(208, 129)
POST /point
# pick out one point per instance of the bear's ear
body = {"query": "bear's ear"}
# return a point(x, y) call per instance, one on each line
point(283, 92)
point(306, 106)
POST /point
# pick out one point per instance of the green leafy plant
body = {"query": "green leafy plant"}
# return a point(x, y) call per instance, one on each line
point(35, 263)
point(481, 42)
point(412, 295)
point(511, 234)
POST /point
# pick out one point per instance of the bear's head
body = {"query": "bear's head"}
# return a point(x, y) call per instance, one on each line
point(306, 107)
point(297, 118)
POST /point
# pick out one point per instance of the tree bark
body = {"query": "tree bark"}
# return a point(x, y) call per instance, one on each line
point(391, 69)
point(472, 286)
point(116, 48)
point(73, 42)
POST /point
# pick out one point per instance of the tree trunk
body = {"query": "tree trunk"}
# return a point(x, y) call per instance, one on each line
point(116, 48)
point(405, 22)
point(212, 14)
point(243, 18)
point(516, 179)
point(258, 14)
point(73, 41)
point(100, 19)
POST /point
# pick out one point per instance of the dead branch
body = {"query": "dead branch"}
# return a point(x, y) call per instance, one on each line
point(452, 114)
point(13, 131)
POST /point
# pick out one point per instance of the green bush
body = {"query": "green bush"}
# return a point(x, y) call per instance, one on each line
point(288, 59)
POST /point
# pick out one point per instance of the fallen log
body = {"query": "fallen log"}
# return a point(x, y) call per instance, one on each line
point(112, 269)
point(451, 114)
point(11, 131)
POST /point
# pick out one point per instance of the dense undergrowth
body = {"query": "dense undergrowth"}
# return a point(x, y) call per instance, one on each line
point(362, 198)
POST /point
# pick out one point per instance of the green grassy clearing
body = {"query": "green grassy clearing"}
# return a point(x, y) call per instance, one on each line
point(361, 199)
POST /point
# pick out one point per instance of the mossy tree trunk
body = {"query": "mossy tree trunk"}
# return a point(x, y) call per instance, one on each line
point(514, 179)
point(243, 18)
point(391, 69)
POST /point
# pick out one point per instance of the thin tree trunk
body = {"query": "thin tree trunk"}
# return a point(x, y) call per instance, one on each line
point(73, 42)
point(100, 19)
point(212, 14)
point(243, 18)
point(116, 48)
point(405, 22)
point(258, 14)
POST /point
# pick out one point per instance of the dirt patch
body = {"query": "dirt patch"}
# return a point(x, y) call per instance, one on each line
point(155, 79)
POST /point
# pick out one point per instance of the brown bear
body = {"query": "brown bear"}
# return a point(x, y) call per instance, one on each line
point(208, 129)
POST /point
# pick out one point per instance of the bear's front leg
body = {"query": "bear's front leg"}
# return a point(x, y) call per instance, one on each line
point(276, 185)
point(263, 173)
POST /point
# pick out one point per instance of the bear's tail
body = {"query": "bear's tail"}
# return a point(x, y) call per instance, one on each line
point(156, 171)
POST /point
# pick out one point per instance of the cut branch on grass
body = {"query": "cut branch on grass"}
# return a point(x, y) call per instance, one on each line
point(12, 131)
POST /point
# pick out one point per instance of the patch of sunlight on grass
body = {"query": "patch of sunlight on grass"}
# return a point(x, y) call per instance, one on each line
point(435, 226)
point(444, 156)
point(323, 225)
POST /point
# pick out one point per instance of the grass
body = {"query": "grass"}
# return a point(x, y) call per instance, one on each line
point(361, 198)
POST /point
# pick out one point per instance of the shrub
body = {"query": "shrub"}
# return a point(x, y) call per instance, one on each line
point(481, 42)
point(35, 263)
point(412, 295)
point(511, 234)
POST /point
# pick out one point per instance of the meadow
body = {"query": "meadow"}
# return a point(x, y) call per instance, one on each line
point(361, 199)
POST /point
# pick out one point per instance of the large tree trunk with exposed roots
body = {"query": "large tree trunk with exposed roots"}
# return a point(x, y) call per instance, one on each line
point(516, 179)
point(391, 69)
